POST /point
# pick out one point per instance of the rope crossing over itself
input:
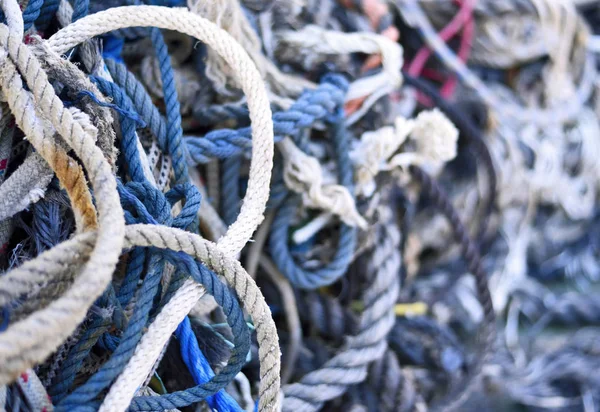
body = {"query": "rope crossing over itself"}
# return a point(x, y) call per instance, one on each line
point(333, 205)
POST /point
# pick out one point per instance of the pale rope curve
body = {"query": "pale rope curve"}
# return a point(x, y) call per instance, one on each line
point(122, 391)
point(262, 132)
point(181, 20)
point(31, 340)
point(79, 247)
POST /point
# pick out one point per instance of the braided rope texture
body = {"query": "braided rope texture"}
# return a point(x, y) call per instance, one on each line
point(257, 205)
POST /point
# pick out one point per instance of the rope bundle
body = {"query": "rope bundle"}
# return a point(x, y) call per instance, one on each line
point(246, 205)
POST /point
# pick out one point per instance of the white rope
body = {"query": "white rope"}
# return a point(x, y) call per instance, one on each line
point(251, 213)
point(434, 137)
point(303, 174)
point(32, 339)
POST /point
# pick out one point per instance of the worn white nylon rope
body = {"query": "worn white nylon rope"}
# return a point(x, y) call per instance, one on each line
point(32, 339)
point(319, 40)
point(303, 174)
point(251, 213)
point(271, 353)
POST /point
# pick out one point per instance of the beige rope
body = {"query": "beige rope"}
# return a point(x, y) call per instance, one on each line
point(251, 213)
point(257, 194)
point(32, 339)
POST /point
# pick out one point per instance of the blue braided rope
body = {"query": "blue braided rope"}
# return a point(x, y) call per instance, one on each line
point(278, 240)
point(31, 13)
point(200, 368)
point(46, 14)
point(80, 9)
point(208, 116)
point(134, 330)
point(161, 207)
point(141, 100)
point(129, 146)
point(230, 192)
point(134, 272)
point(189, 212)
point(311, 106)
point(176, 147)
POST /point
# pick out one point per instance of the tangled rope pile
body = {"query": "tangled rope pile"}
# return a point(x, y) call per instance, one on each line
point(274, 205)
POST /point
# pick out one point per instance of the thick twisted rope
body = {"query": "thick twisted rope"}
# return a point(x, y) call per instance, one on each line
point(173, 121)
point(24, 344)
point(312, 106)
point(262, 131)
point(349, 366)
point(396, 390)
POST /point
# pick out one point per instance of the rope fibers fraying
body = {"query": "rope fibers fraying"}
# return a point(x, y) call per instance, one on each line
point(336, 205)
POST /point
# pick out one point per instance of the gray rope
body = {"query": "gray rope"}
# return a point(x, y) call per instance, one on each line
point(349, 366)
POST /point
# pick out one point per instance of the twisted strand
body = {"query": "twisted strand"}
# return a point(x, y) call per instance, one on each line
point(278, 243)
point(141, 100)
point(174, 133)
point(349, 367)
point(251, 213)
point(311, 106)
point(31, 340)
